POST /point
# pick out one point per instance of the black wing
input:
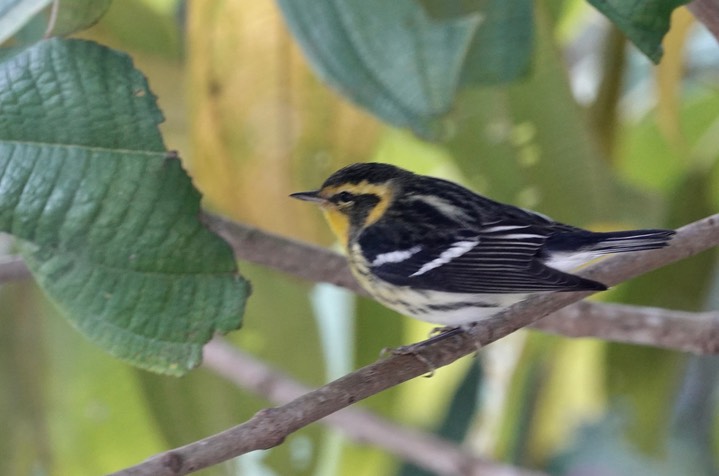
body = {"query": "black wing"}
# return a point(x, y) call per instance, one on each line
point(501, 257)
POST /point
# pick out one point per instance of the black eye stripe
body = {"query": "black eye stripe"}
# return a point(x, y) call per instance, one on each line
point(343, 197)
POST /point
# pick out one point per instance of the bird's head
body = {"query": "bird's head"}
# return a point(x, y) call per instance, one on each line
point(356, 196)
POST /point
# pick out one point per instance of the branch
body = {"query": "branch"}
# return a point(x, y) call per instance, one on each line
point(299, 259)
point(426, 450)
point(686, 331)
point(269, 427)
point(692, 332)
point(689, 240)
point(696, 332)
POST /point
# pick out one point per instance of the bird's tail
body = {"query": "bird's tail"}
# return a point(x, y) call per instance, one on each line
point(633, 240)
point(567, 251)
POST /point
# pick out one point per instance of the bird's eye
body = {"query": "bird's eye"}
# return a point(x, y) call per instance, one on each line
point(344, 198)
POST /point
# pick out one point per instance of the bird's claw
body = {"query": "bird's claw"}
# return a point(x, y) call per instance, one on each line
point(437, 334)
point(412, 350)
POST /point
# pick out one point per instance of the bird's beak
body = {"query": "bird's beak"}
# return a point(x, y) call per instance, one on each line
point(313, 196)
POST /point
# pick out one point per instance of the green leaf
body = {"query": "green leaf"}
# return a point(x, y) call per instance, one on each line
point(388, 57)
point(502, 46)
point(14, 14)
point(109, 219)
point(76, 15)
point(645, 23)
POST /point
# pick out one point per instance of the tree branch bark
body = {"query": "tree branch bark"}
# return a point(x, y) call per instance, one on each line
point(270, 426)
point(294, 257)
point(696, 332)
point(425, 450)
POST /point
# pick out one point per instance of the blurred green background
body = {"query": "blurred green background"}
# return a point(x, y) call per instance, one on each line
point(594, 135)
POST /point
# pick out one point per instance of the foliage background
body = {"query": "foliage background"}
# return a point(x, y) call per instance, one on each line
point(595, 136)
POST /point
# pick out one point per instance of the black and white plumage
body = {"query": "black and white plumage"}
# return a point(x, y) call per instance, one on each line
point(439, 252)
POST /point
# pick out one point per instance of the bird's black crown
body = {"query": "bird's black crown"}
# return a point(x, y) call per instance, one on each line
point(372, 172)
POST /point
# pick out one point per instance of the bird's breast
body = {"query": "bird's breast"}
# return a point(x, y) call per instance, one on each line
point(437, 307)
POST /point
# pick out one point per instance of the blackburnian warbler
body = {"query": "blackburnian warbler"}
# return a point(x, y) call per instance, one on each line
point(436, 251)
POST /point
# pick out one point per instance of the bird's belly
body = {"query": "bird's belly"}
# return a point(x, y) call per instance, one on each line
point(437, 307)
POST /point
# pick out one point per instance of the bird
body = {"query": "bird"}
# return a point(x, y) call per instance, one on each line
point(434, 250)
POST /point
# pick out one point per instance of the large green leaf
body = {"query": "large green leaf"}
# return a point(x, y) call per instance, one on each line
point(109, 219)
point(388, 57)
point(502, 46)
point(645, 23)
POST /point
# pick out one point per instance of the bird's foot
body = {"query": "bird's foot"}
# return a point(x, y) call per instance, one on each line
point(477, 343)
point(436, 335)
point(411, 350)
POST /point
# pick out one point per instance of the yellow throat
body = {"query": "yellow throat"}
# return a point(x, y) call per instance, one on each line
point(340, 223)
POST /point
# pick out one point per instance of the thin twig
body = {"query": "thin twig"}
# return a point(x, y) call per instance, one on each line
point(426, 450)
point(299, 259)
point(269, 427)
